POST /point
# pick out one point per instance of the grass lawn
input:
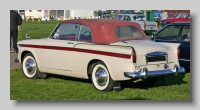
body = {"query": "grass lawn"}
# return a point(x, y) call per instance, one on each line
point(66, 88)
point(36, 30)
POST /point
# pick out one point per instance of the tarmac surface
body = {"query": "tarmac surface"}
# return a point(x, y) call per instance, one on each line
point(13, 64)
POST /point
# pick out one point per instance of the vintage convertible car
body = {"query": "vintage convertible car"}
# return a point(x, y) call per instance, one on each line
point(105, 50)
point(147, 26)
point(177, 32)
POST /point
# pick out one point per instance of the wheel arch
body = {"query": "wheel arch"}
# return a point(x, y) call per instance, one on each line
point(34, 55)
point(93, 61)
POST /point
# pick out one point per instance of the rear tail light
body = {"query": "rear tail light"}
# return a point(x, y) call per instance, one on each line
point(179, 53)
point(134, 57)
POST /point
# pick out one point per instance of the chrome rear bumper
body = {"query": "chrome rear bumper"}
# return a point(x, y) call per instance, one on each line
point(145, 73)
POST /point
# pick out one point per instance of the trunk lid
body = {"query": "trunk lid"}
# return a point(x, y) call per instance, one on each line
point(144, 47)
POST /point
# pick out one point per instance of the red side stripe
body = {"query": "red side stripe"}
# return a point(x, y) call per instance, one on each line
point(78, 50)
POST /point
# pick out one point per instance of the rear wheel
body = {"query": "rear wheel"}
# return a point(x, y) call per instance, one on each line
point(101, 78)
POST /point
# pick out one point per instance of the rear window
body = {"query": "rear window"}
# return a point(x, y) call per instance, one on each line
point(129, 32)
point(118, 17)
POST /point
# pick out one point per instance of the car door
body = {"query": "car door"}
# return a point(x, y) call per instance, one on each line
point(177, 34)
point(79, 58)
point(57, 50)
point(185, 47)
point(169, 33)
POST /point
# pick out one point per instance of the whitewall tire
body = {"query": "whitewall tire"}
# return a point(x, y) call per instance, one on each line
point(29, 66)
point(101, 78)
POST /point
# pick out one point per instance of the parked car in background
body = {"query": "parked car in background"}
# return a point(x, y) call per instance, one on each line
point(177, 33)
point(179, 17)
point(103, 50)
point(147, 26)
point(157, 17)
point(106, 15)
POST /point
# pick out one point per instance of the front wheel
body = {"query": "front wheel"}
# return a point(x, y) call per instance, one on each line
point(30, 69)
point(101, 78)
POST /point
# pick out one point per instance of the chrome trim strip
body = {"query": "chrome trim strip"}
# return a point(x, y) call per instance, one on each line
point(145, 73)
point(156, 54)
point(183, 59)
point(157, 64)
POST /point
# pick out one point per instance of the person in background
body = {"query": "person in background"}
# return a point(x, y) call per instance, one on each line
point(15, 21)
point(100, 13)
point(163, 17)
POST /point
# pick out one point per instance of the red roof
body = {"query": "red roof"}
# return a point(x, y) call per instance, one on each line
point(103, 29)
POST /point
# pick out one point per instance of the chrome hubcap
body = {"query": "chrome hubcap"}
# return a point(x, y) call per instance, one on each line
point(30, 66)
point(101, 77)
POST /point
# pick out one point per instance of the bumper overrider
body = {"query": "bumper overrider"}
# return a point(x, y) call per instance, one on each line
point(145, 73)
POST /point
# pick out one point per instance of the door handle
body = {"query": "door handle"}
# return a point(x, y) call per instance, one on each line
point(70, 43)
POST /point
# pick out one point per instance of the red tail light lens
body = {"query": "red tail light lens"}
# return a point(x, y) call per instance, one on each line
point(179, 53)
point(134, 57)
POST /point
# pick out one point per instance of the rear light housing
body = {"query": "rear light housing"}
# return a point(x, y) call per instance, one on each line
point(134, 57)
point(179, 53)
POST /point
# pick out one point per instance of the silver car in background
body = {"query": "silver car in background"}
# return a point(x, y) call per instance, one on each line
point(147, 26)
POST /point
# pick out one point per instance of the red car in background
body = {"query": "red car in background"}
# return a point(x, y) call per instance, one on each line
point(180, 17)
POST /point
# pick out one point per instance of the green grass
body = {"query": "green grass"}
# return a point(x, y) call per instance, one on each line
point(66, 88)
point(36, 30)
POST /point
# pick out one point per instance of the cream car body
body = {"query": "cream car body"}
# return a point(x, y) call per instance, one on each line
point(79, 59)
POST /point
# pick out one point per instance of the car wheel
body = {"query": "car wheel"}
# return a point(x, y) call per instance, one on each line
point(101, 78)
point(30, 69)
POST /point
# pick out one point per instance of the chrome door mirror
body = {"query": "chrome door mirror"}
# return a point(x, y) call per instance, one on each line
point(56, 36)
point(153, 37)
point(28, 36)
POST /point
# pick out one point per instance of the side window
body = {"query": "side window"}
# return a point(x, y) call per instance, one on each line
point(134, 17)
point(66, 32)
point(169, 33)
point(127, 18)
point(85, 34)
point(119, 17)
point(185, 36)
point(129, 32)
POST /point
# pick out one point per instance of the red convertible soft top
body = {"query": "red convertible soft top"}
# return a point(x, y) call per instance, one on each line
point(103, 29)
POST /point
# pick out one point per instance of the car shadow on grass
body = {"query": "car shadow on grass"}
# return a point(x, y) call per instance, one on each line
point(68, 78)
point(169, 80)
point(173, 80)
